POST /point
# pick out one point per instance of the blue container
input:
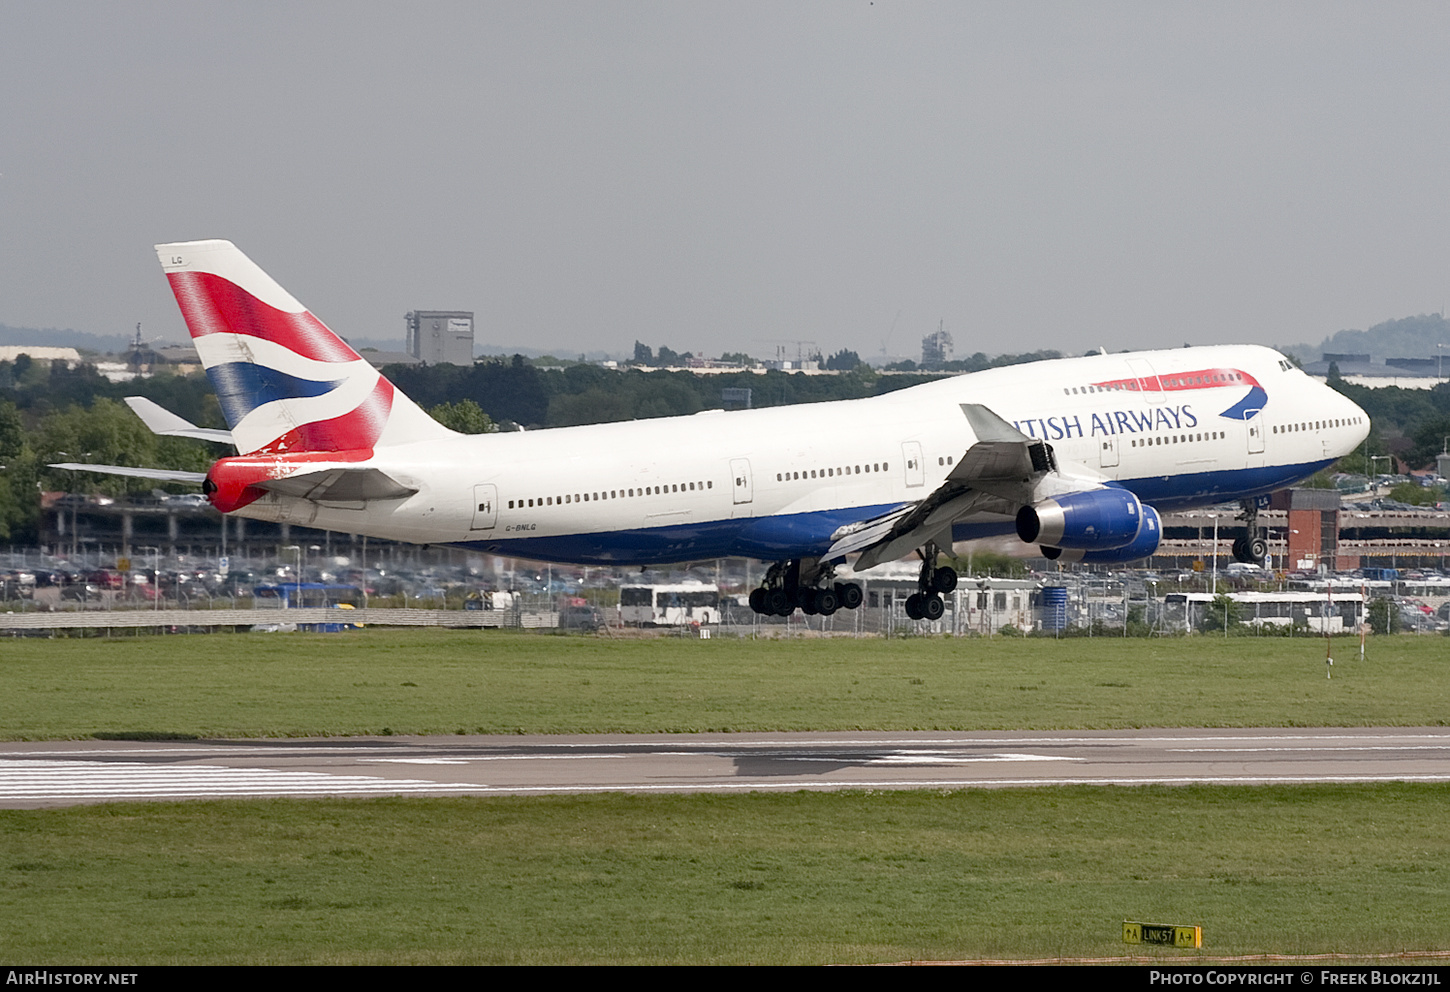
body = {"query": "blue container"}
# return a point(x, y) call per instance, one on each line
point(1054, 608)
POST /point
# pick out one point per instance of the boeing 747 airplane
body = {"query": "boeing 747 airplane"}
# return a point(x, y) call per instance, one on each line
point(1077, 455)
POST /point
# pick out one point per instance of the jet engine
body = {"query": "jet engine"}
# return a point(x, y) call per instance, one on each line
point(1140, 547)
point(1097, 520)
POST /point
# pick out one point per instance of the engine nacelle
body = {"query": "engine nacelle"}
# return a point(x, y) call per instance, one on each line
point(1098, 520)
point(1140, 547)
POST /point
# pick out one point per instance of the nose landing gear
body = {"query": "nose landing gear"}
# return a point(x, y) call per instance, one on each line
point(1252, 547)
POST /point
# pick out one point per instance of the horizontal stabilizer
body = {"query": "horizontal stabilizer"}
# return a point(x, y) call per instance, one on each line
point(160, 474)
point(339, 485)
point(162, 421)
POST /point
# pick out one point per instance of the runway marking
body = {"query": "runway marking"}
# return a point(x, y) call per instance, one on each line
point(1256, 750)
point(371, 750)
point(81, 780)
point(929, 758)
point(163, 770)
point(129, 780)
point(889, 758)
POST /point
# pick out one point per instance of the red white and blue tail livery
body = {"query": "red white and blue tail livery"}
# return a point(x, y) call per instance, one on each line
point(285, 382)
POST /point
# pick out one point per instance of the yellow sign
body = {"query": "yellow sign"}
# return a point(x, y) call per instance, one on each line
point(123, 564)
point(1165, 934)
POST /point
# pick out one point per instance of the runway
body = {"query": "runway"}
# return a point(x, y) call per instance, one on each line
point(63, 773)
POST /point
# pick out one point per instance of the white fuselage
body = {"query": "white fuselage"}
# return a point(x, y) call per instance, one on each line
point(775, 483)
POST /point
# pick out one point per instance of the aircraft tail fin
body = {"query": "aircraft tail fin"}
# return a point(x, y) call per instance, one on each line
point(286, 383)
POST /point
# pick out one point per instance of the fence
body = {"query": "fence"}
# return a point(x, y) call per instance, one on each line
point(320, 616)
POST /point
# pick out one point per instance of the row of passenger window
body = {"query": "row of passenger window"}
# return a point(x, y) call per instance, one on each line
point(1148, 442)
point(1315, 425)
point(831, 473)
point(674, 487)
point(1200, 380)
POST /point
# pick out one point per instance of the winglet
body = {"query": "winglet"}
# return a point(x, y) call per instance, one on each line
point(988, 426)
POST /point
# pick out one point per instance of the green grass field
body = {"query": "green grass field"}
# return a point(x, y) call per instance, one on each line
point(804, 878)
point(798, 878)
point(443, 682)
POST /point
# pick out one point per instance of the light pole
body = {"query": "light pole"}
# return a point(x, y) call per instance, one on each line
point(298, 574)
point(1377, 458)
point(155, 574)
point(1214, 590)
point(75, 540)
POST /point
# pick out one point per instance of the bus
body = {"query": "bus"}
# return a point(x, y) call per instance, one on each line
point(1343, 613)
point(670, 605)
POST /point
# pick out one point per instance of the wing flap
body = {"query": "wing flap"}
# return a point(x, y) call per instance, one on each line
point(857, 537)
point(996, 473)
point(929, 522)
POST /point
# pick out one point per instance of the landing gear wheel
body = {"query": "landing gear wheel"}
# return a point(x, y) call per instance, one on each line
point(757, 600)
point(827, 602)
point(777, 603)
point(849, 594)
point(1258, 549)
point(1239, 553)
point(932, 608)
point(944, 579)
point(807, 599)
point(913, 606)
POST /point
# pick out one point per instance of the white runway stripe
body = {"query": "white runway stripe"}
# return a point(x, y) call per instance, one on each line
point(131, 780)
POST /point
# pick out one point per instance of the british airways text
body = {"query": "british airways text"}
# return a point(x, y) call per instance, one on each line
point(1160, 418)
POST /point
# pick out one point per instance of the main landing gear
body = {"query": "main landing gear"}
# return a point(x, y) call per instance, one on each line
point(805, 584)
point(932, 583)
point(1251, 548)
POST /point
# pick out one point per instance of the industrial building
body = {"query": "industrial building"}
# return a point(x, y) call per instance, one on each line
point(441, 337)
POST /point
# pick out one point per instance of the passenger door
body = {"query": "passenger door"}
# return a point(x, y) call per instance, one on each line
point(485, 507)
point(911, 458)
point(742, 492)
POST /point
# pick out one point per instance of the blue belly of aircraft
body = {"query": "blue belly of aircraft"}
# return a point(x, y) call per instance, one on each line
point(807, 535)
point(773, 538)
point(1182, 492)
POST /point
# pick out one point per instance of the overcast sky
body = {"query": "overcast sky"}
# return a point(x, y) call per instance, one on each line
point(726, 176)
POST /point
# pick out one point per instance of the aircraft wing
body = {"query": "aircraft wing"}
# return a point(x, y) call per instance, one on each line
point(162, 421)
point(998, 473)
point(160, 474)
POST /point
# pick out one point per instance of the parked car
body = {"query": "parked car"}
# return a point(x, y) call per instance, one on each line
point(581, 618)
